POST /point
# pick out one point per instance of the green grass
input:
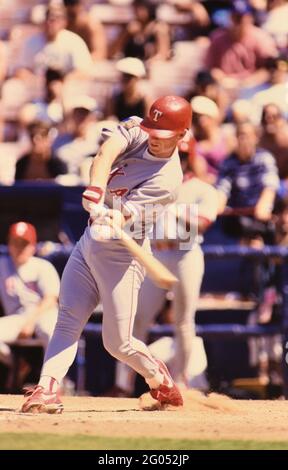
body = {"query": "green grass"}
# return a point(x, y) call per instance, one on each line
point(33, 441)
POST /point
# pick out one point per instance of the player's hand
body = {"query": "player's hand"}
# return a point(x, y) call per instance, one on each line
point(112, 216)
point(98, 212)
point(92, 197)
point(262, 212)
point(100, 232)
point(100, 229)
point(104, 222)
point(104, 216)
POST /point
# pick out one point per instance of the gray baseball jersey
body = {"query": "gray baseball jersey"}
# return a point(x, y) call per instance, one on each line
point(196, 198)
point(195, 191)
point(23, 288)
point(107, 270)
point(138, 179)
point(202, 198)
point(21, 291)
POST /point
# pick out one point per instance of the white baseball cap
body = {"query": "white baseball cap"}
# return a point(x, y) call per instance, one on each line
point(203, 105)
point(131, 66)
point(243, 107)
point(121, 2)
point(81, 102)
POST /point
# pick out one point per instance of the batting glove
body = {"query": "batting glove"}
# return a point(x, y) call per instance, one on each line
point(103, 222)
point(98, 212)
point(92, 197)
point(101, 233)
point(105, 216)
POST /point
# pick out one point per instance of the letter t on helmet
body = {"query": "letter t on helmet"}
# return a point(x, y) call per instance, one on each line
point(168, 116)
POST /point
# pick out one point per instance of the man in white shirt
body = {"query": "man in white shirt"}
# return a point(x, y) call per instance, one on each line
point(55, 47)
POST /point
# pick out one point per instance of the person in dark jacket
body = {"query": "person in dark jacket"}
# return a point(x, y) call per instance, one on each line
point(39, 164)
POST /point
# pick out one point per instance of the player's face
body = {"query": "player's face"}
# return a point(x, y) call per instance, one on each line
point(20, 250)
point(160, 147)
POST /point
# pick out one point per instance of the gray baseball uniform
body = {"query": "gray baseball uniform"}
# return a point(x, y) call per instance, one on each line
point(21, 290)
point(107, 270)
point(188, 266)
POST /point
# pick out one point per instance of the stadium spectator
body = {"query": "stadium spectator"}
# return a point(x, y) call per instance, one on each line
point(145, 37)
point(237, 54)
point(80, 140)
point(242, 111)
point(129, 99)
point(266, 352)
point(29, 289)
point(51, 107)
point(39, 164)
point(213, 143)
point(248, 181)
point(276, 87)
point(3, 62)
point(191, 162)
point(94, 35)
point(14, 142)
point(274, 137)
point(206, 85)
point(55, 47)
point(197, 24)
point(281, 222)
point(276, 23)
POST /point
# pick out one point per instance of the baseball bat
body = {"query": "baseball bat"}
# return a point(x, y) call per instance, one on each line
point(157, 272)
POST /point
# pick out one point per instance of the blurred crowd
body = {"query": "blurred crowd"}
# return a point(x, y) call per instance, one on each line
point(69, 68)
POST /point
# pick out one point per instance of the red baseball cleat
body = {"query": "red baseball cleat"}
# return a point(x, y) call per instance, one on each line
point(167, 393)
point(40, 400)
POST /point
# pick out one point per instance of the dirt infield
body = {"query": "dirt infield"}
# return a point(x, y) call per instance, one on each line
point(215, 417)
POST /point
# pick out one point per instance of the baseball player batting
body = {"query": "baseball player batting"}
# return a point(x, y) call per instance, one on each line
point(137, 166)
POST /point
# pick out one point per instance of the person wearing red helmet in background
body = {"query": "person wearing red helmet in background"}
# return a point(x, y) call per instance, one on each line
point(134, 175)
point(29, 290)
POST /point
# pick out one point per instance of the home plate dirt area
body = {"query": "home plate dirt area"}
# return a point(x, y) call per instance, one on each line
point(214, 417)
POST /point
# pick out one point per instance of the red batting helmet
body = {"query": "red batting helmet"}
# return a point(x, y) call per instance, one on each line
point(24, 231)
point(168, 116)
